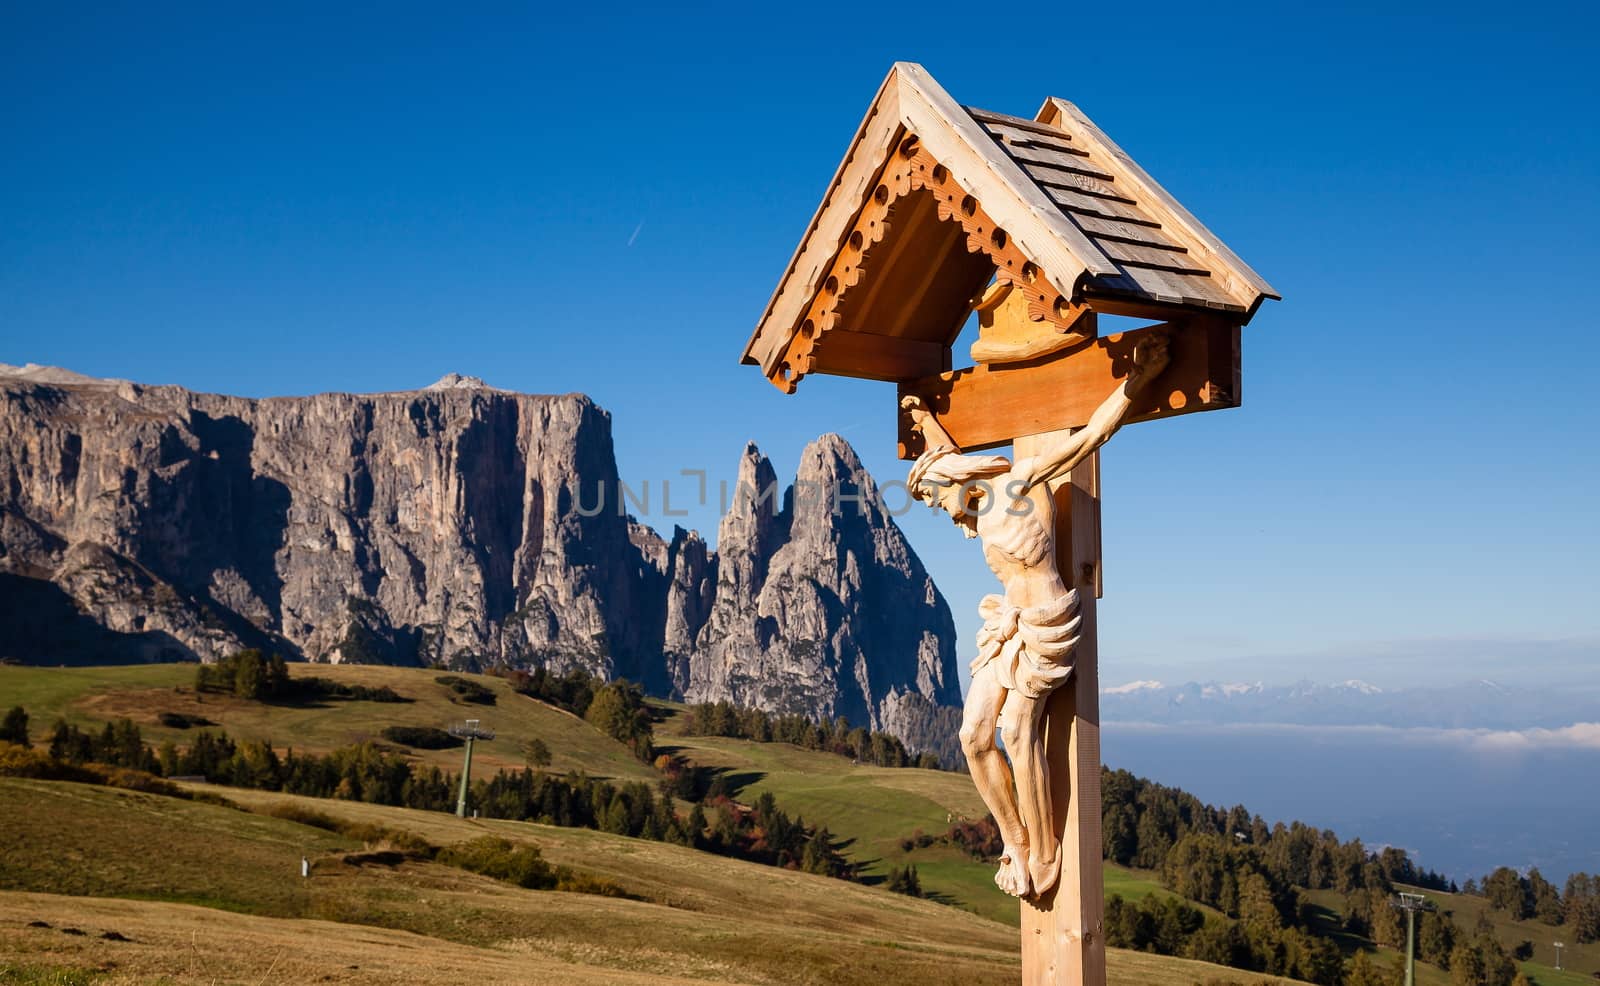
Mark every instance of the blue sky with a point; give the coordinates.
(295, 200)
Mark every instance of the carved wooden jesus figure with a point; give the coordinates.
(1025, 648)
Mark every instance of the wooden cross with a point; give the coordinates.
(1039, 226)
(1063, 936)
(1063, 933)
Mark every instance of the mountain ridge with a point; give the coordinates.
(453, 524)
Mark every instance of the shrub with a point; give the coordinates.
(421, 737)
(524, 866)
(383, 837)
(321, 688)
(134, 780)
(303, 816)
(582, 883)
(180, 720)
(980, 839)
(466, 689)
(503, 860)
(20, 761)
(249, 675)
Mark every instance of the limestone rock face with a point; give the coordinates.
(458, 523)
(813, 595)
(434, 525)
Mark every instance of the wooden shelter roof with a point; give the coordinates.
(933, 199)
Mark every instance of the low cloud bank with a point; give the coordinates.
(1577, 736)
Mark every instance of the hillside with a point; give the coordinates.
(1580, 963)
(90, 696)
(696, 919)
(695, 916)
(874, 814)
(870, 807)
(874, 808)
(700, 917)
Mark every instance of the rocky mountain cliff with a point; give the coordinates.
(456, 524)
(814, 590)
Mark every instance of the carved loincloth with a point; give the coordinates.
(1030, 648)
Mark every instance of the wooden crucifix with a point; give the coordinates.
(941, 214)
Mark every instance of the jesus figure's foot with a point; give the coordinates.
(1012, 876)
(1044, 873)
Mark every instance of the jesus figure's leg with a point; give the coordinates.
(992, 776)
(1020, 729)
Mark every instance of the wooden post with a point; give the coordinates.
(1063, 934)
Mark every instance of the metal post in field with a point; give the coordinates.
(1411, 904)
(470, 730)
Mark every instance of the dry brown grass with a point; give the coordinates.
(184, 944)
(704, 919)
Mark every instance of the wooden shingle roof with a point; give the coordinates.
(1120, 216)
(1066, 203)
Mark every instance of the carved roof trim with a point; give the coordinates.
(1077, 206)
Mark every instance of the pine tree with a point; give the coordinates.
(697, 825)
(15, 727)
(1508, 892)
(249, 674)
(1546, 901)
(1362, 972)
(1466, 966)
(169, 758)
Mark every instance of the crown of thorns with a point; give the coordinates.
(929, 472)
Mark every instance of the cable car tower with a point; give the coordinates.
(471, 729)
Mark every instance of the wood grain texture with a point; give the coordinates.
(1008, 334)
(985, 407)
(1063, 932)
(878, 357)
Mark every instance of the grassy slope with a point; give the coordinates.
(871, 807)
(874, 807)
(701, 919)
(1580, 961)
(89, 696)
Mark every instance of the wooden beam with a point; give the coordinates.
(988, 406)
(1063, 932)
(878, 357)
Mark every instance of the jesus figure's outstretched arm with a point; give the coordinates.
(1056, 458)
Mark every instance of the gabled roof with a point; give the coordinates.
(933, 198)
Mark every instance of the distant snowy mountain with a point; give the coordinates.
(1469, 705)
